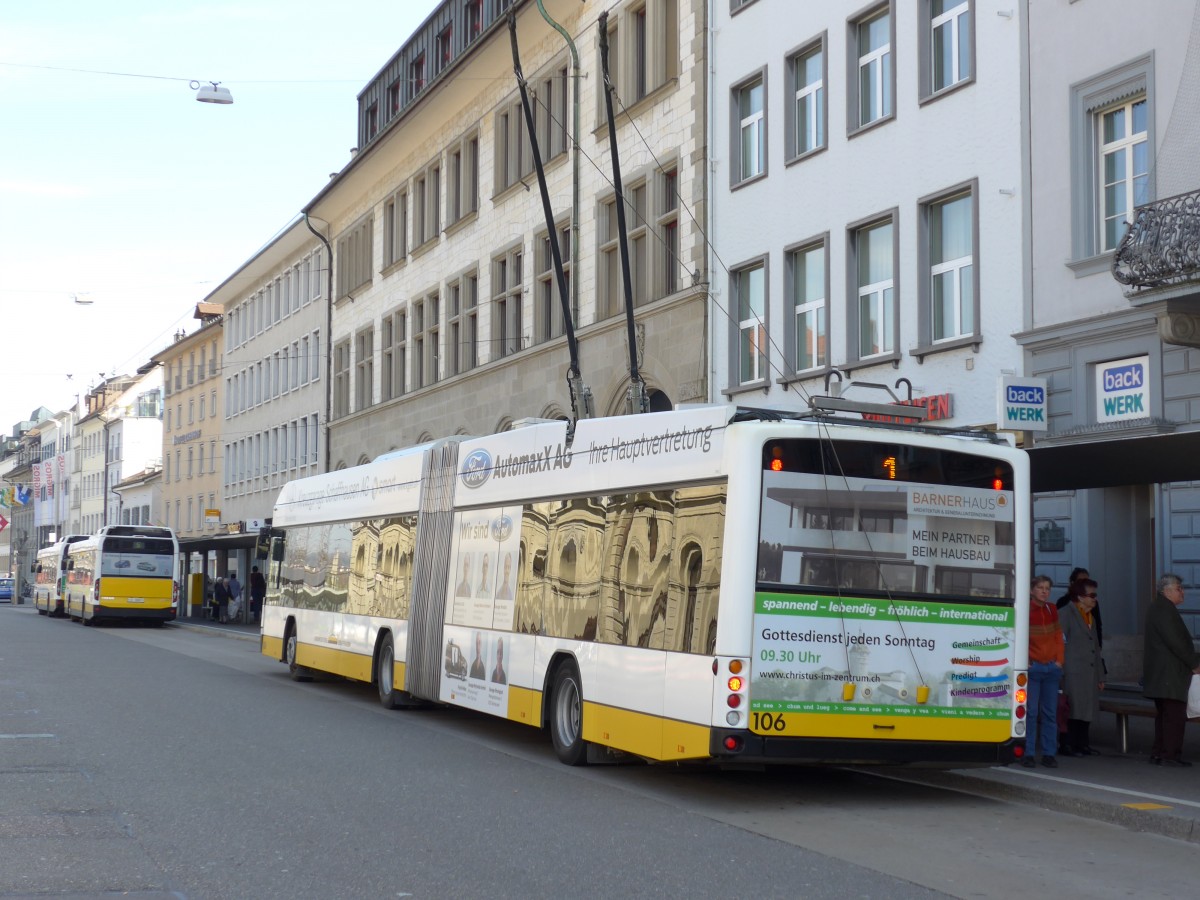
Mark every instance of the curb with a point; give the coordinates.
(216, 631)
(1085, 804)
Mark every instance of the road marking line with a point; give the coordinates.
(19, 736)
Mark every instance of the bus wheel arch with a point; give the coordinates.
(565, 712)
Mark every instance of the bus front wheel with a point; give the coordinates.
(566, 716)
(298, 672)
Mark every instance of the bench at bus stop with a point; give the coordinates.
(1123, 701)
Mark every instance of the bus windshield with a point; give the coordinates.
(882, 518)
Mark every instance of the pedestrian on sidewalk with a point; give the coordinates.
(1169, 661)
(1045, 674)
(258, 592)
(235, 595)
(221, 595)
(1083, 672)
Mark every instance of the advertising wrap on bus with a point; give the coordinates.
(808, 647)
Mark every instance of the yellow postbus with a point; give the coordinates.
(123, 572)
(49, 573)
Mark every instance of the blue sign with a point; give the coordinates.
(1023, 404)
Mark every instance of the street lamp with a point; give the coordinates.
(212, 93)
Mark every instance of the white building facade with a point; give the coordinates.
(276, 313)
(869, 185)
(1115, 124)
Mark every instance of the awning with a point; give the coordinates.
(217, 542)
(1154, 459)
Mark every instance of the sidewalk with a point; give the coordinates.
(245, 632)
(1124, 790)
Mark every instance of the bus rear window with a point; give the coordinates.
(882, 518)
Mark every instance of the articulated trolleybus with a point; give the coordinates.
(123, 572)
(689, 585)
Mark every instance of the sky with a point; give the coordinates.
(123, 200)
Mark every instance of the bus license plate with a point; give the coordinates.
(137, 600)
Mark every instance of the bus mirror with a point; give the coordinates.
(262, 546)
(277, 550)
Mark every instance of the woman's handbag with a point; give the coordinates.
(1193, 706)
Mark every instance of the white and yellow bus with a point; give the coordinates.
(123, 572)
(686, 585)
(49, 573)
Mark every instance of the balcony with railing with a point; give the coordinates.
(1162, 247)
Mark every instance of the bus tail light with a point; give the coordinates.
(733, 743)
(734, 689)
(174, 593)
(96, 592)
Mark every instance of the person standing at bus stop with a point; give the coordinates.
(258, 592)
(1045, 675)
(1168, 663)
(235, 595)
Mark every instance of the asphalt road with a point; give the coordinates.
(170, 763)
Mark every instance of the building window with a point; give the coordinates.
(469, 352)
(394, 350)
(750, 135)
(806, 113)
(873, 72)
(426, 335)
(609, 302)
(462, 336)
(393, 98)
(637, 225)
(474, 19)
(364, 367)
(646, 57)
(513, 153)
(427, 191)
(341, 379)
(749, 286)
(807, 277)
(950, 232)
(1124, 168)
(462, 179)
(445, 47)
(507, 278)
(395, 228)
(668, 231)
(416, 75)
(550, 113)
(354, 257)
(548, 305)
(947, 44)
(1112, 142)
(372, 120)
(873, 256)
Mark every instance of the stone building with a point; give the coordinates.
(447, 317)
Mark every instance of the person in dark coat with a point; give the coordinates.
(1170, 659)
(258, 590)
(1083, 672)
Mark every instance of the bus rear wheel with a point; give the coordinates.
(566, 716)
(385, 675)
(298, 672)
